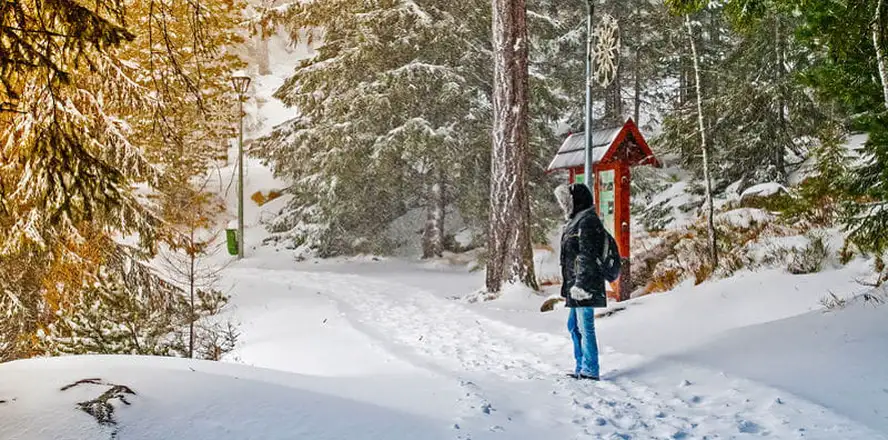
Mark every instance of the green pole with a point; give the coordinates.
(240, 180)
(587, 168)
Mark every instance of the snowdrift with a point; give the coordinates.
(101, 397)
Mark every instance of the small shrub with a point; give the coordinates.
(702, 273)
(779, 202)
(664, 281)
(833, 302)
(732, 262)
(656, 217)
(875, 299)
(809, 259)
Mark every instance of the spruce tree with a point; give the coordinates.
(769, 121)
(390, 111)
(848, 73)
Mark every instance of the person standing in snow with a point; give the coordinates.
(583, 245)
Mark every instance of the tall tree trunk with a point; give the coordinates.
(613, 110)
(636, 68)
(433, 234)
(636, 97)
(782, 127)
(509, 252)
(613, 102)
(713, 250)
(191, 281)
(879, 44)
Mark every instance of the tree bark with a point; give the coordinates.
(433, 234)
(713, 250)
(637, 89)
(613, 103)
(509, 252)
(636, 70)
(191, 282)
(878, 43)
(779, 145)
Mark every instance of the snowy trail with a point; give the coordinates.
(513, 377)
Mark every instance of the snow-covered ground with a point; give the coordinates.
(752, 355)
(377, 349)
(198, 400)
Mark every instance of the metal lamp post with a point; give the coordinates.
(587, 168)
(241, 83)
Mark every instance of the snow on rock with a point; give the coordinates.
(181, 399)
(743, 217)
(763, 190)
(464, 237)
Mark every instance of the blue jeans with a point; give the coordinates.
(581, 325)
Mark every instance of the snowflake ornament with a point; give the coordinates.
(607, 50)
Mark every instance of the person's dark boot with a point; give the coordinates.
(585, 377)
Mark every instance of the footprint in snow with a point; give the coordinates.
(748, 427)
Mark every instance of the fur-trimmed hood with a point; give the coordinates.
(573, 199)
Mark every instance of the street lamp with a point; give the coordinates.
(587, 168)
(241, 83)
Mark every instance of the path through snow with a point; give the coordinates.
(512, 378)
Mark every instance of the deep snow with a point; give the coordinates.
(508, 358)
(199, 400)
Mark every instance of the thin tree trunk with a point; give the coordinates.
(881, 56)
(637, 92)
(509, 252)
(684, 98)
(440, 208)
(191, 276)
(779, 146)
(713, 250)
(433, 233)
(636, 97)
(613, 111)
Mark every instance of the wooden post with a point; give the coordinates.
(624, 190)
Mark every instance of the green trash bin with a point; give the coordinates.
(231, 238)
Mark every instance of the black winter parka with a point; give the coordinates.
(581, 241)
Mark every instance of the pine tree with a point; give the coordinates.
(76, 119)
(192, 212)
(45, 42)
(399, 125)
(765, 114)
(848, 40)
(124, 308)
(819, 198)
